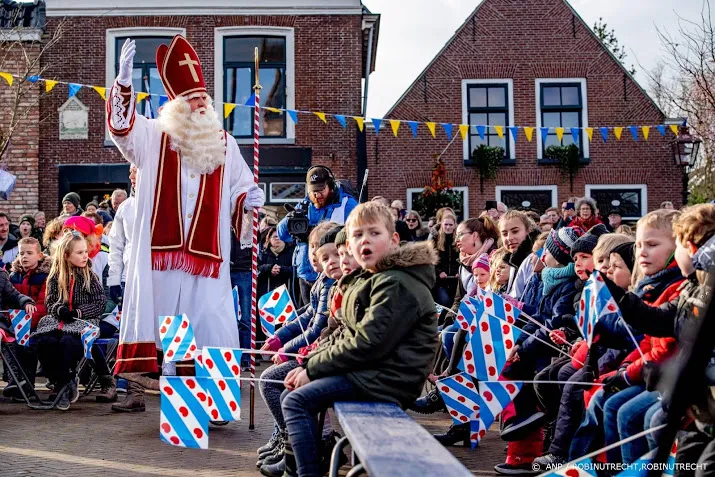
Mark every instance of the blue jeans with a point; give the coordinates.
(448, 338)
(630, 419)
(654, 417)
(242, 280)
(300, 410)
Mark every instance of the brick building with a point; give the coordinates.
(314, 55)
(513, 64)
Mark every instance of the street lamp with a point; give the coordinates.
(685, 149)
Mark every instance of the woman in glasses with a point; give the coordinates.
(418, 232)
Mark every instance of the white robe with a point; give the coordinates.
(149, 294)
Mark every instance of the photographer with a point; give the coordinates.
(326, 201)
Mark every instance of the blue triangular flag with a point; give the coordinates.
(251, 101)
(634, 132)
(377, 123)
(413, 125)
(481, 130)
(163, 99)
(544, 134)
(293, 115)
(604, 133)
(341, 119)
(661, 129)
(514, 132)
(33, 79)
(575, 134)
(448, 129)
(73, 88)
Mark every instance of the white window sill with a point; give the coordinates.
(267, 140)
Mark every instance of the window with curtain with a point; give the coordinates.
(145, 75)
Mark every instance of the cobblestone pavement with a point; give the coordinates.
(91, 440)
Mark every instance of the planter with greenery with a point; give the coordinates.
(569, 159)
(487, 159)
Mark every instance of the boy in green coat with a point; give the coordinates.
(390, 339)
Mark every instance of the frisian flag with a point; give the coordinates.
(114, 317)
(488, 347)
(596, 303)
(177, 338)
(89, 334)
(439, 308)
(184, 420)
(500, 308)
(275, 308)
(495, 396)
(21, 323)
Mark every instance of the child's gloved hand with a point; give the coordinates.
(115, 293)
(617, 382)
(65, 315)
(558, 337)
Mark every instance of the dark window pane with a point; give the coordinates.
(551, 140)
(241, 49)
(551, 96)
(477, 141)
(478, 97)
(570, 120)
(238, 90)
(478, 119)
(537, 200)
(273, 96)
(567, 139)
(496, 141)
(146, 48)
(551, 120)
(570, 96)
(628, 201)
(497, 97)
(287, 192)
(497, 119)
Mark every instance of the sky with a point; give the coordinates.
(413, 31)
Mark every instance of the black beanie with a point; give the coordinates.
(627, 252)
(588, 241)
(28, 218)
(341, 238)
(72, 198)
(330, 236)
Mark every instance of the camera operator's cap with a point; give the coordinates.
(317, 177)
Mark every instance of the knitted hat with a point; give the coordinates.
(94, 203)
(589, 240)
(330, 236)
(559, 243)
(627, 252)
(341, 238)
(481, 262)
(72, 198)
(83, 225)
(28, 218)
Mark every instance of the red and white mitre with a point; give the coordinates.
(180, 69)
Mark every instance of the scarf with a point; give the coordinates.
(555, 277)
(200, 252)
(651, 287)
(468, 260)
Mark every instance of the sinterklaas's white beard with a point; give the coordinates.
(199, 138)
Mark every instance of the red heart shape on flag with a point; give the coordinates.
(468, 355)
(289, 309)
(227, 355)
(183, 411)
(168, 320)
(459, 379)
(185, 324)
(168, 391)
(485, 326)
(463, 418)
(508, 344)
(170, 353)
(488, 349)
(492, 371)
(201, 396)
(174, 440)
(191, 383)
(198, 433)
(211, 401)
(177, 340)
(235, 369)
(511, 388)
(488, 302)
(214, 414)
(209, 364)
(166, 427)
(461, 398)
(162, 330)
(276, 296)
(192, 348)
(488, 396)
(445, 389)
(222, 385)
(470, 369)
(470, 385)
(233, 405)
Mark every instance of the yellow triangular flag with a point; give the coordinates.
(273, 110)
(463, 130)
(589, 133)
(618, 132)
(228, 109)
(103, 91)
(674, 128)
(360, 122)
(49, 84)
(646, 131)
(500, 131)
(431, 126)
(559, 133)
(321, 116)
(7, 77)
(395, 123)
(141, 96)
(529, 133)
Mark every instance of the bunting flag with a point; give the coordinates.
(604, 134)
(447, 129)
(544, 134)
(634, 132)
(73, 89)
(293, 115)
(342, 120)
(575, 134)
(661, 129)
(674, 128)
(49, 84)
(88, 335)
(413, 125)
(589, 133)
(500, 131)
(559, 133)
(236, 304)
(646, 132)
(377, 123)
(464, 130)
(617, 131)
(141, 96)
(432, 128)
(596, 303)
(216, 371)
(514, 132)
(321, 115)
(360, 122)
(7, 77)
(481, 130)
(103, 92)
(529, 132)
(273, 110)
(163, 99)
(251, 101)
(114, 317)
(184, 420)
(177, 338)
(228, 109)
(21, 323)
(275, 308)
(33, 79)
(395, 125)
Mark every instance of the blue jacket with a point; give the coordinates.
(337, 211)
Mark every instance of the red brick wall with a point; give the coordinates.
(22, 159)
(506, 39)
(327, 69)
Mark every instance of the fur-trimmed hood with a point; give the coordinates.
(43, 266)
(409, 255)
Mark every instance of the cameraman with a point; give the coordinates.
(326, 200)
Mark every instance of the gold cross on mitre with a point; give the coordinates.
(190, 63)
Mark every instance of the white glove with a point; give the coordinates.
(126, 63)
(255, 197)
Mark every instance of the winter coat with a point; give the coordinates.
(418, 235)
(448, 259)
(337, 211)
(517, 259)
(9, 251)
(586, 224)
(90, 304)
(10, 297)
(32, 284)
(266, 280)
(390, 339)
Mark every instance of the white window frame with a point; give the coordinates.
(289, 34)
(643, 188)
(283, 201)
(584, 113)
(465, 112)
(111, 36)
(463, 190)
(554, 189)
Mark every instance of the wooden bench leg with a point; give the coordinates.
(335, 457)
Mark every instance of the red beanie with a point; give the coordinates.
(83, 225)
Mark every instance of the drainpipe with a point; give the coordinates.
(361, 144)
(368, 63)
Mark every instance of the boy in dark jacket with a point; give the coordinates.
(390, 338)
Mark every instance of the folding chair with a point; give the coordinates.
(110, 354)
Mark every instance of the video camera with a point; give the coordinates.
(298, 223)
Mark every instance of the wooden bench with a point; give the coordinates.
(388, 443)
